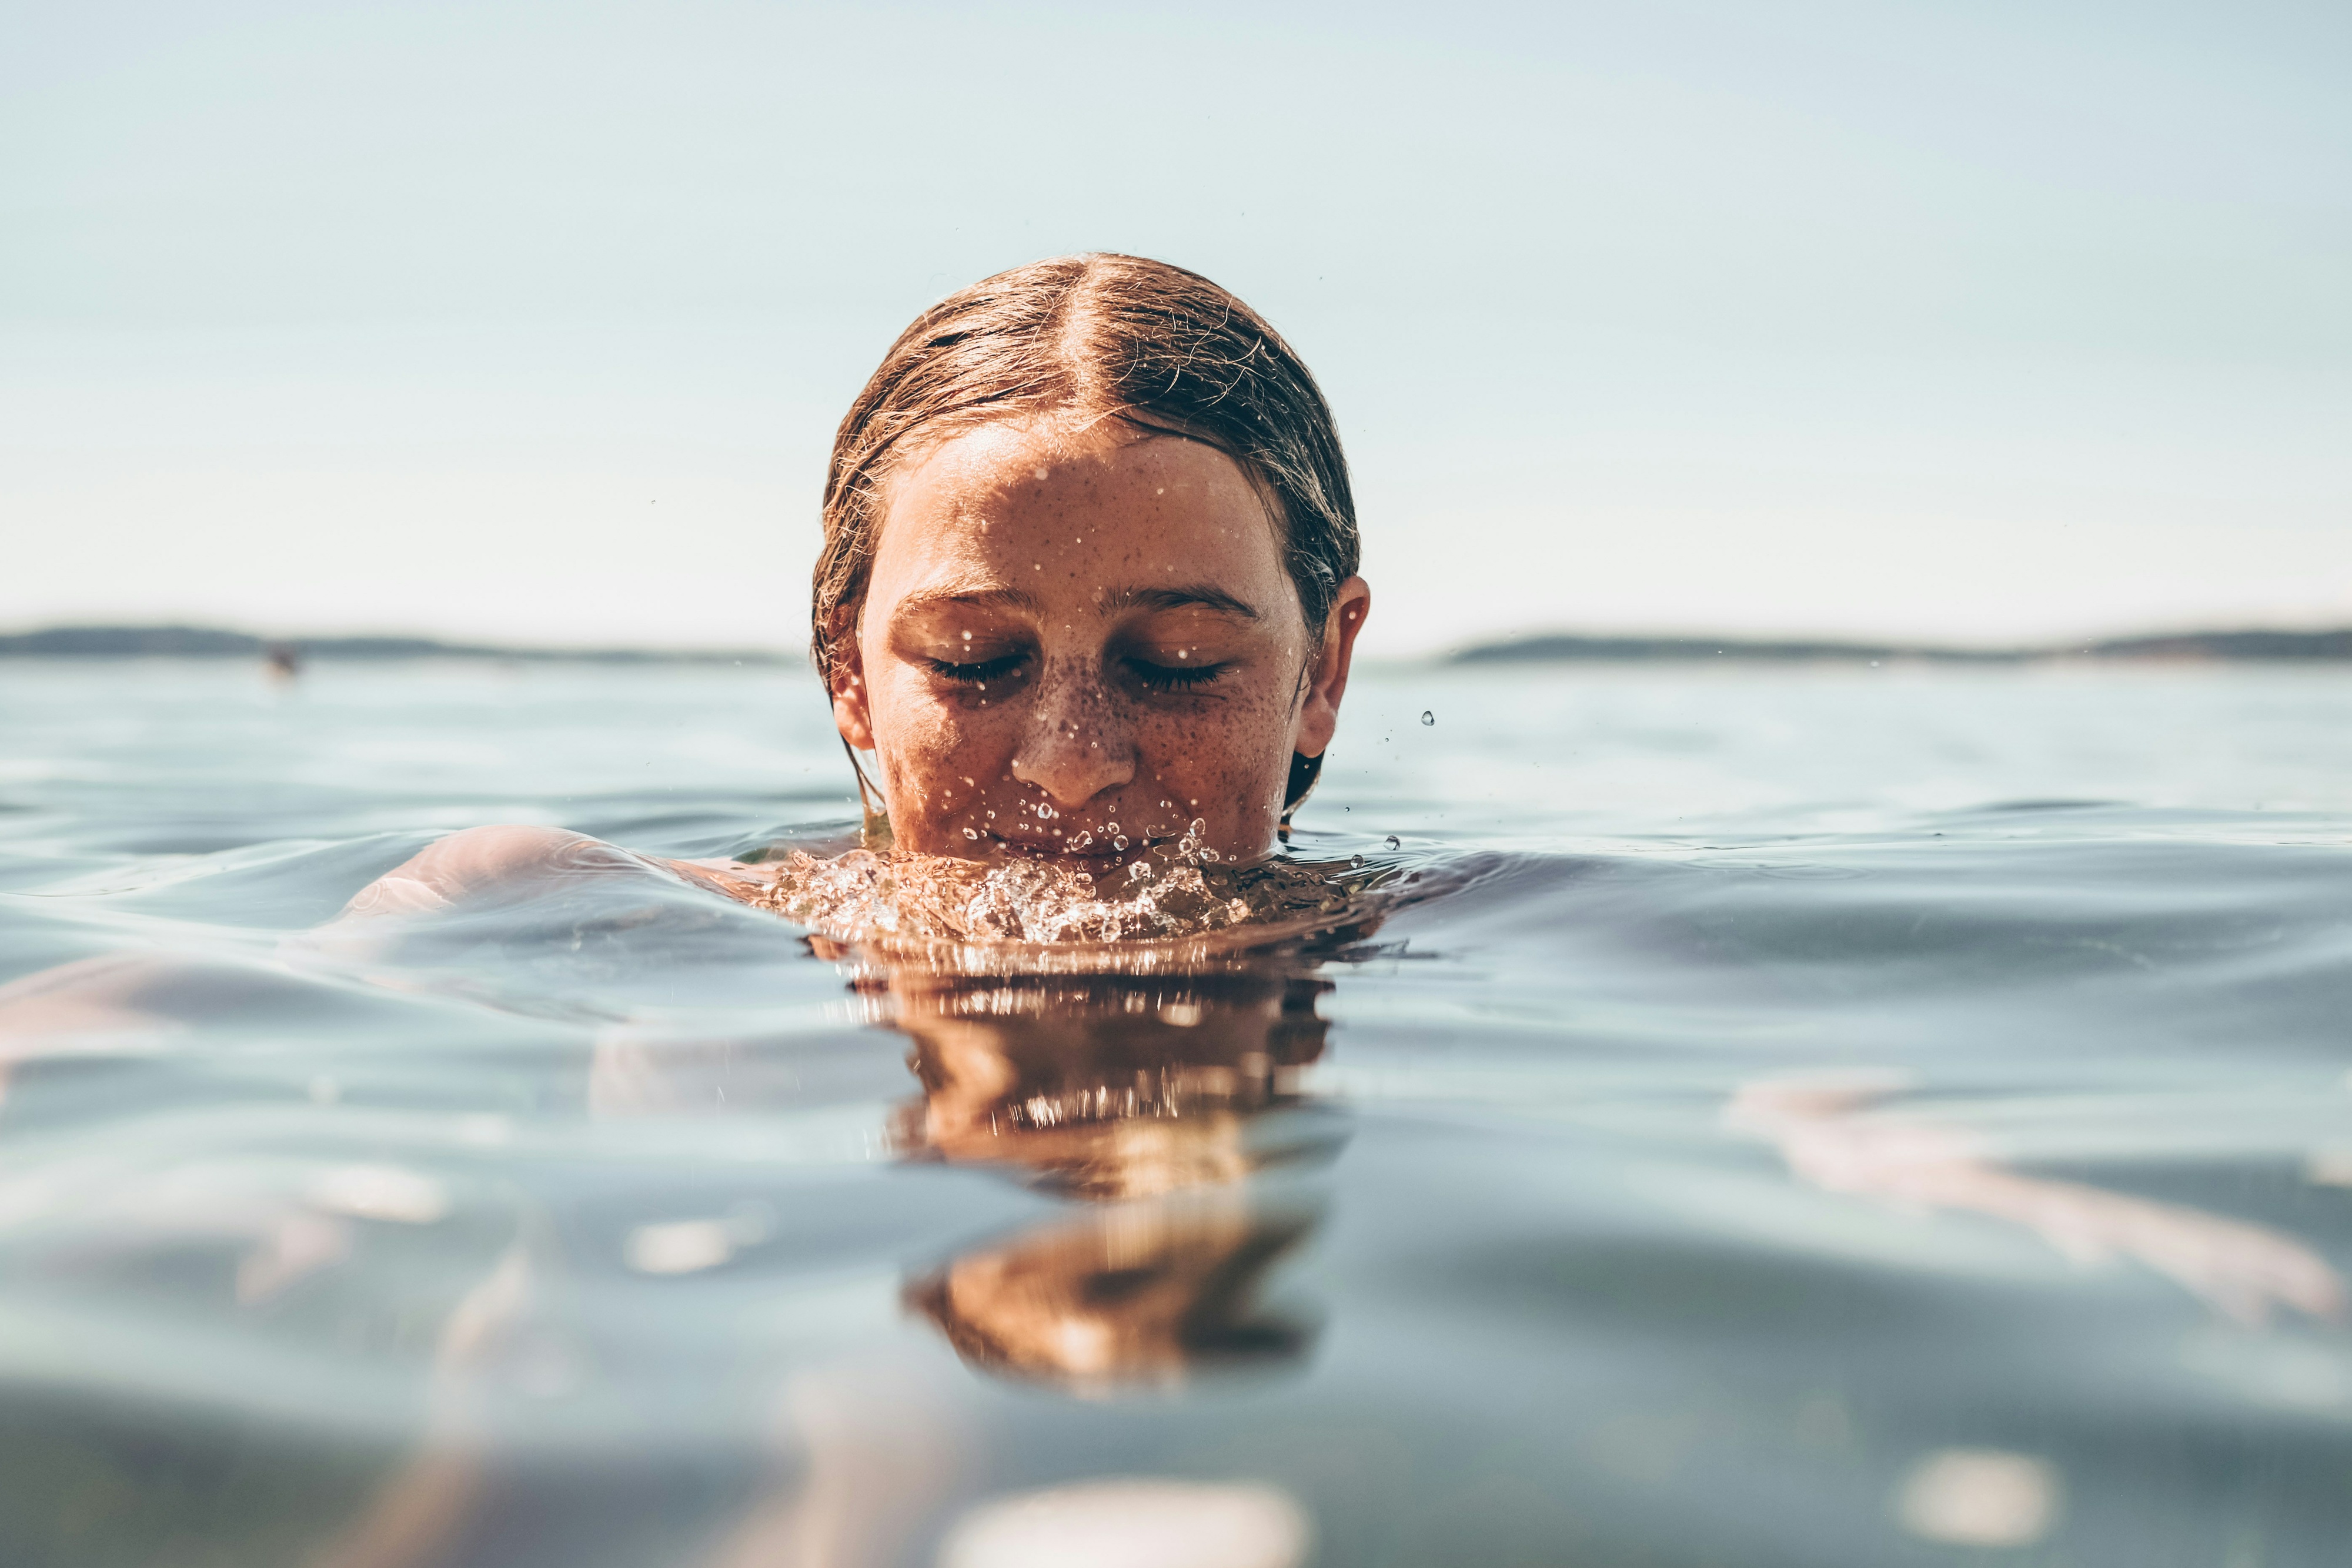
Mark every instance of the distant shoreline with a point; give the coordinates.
(210, 642)
(213, 642)
(2201, 647)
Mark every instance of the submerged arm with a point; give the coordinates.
(115, 1000)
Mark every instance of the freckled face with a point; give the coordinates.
(1071, 638)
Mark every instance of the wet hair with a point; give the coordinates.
(1110, 336)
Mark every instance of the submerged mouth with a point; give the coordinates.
(1082, 847)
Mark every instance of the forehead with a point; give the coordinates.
(1029, 499)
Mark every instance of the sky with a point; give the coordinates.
(1977, 322)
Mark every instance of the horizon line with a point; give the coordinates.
(188, 640)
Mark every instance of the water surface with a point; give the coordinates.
(1822, 1117)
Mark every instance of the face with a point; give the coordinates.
(1074, 635)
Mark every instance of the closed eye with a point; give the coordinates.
(994, 669)
(1174, 677)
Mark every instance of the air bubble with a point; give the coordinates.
(1394, 843)
(1427, 716)
(972, 833)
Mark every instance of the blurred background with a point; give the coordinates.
(529, 323)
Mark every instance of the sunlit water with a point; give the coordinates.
(1806, 1118)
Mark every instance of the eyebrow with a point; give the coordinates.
(974, 596)
(977, 597)
(1181, 598)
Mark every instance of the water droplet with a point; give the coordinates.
(1427, 716)
(1394, 843)
(1355, 860)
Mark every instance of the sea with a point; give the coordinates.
(1829, 1116)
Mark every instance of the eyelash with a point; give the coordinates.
(973, 675)
(1174, 677)
(1166, 678)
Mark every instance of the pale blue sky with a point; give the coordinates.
(532, 321)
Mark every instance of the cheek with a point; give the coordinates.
(1226, 753)
(922, 734)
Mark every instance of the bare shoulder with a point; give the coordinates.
(490, 861)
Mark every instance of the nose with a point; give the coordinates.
(1078, 745)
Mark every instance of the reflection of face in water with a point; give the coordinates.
(1157, 1097)
(1121, 1296)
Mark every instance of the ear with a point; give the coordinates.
(1327, 675)
(851, 714)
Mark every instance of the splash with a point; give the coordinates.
(1172, 890)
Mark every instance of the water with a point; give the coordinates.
(1820, 1118)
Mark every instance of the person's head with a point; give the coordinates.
(1089, 567)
